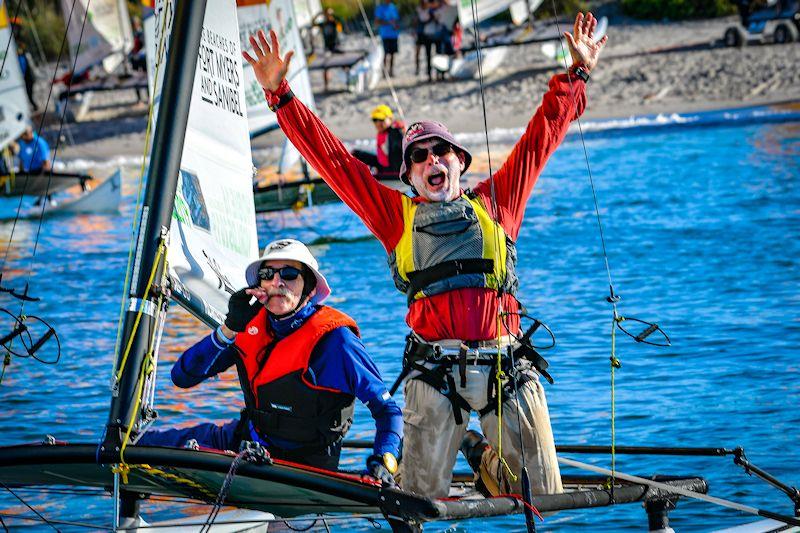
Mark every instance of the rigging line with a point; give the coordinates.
(62, 118)
(498, 244)
(223, 491)
(684, 492)
(148, 365)
(10, 36)
(26, 504)
(588, 168)
(160, 53)
(38, 133)
(93, 527)
(383, 63)
(612, 298)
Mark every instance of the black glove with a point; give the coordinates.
(377, 469)
(240, 312)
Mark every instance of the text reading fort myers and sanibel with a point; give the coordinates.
(219, 78)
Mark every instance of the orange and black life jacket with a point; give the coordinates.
(280, 401)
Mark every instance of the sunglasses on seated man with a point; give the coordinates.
(420, 155)
(287, 273)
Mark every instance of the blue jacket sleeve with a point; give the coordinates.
(341, 362)
(207, 358)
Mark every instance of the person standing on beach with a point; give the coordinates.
(452, 252)
(388, 20)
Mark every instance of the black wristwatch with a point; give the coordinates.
(580, 72)
(282, 101)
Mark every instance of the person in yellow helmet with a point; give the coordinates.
(385, 162)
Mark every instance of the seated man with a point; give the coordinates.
(301, 365)
(33, 152)
(389, 143)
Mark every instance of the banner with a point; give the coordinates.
(213, 232)
(278, 15)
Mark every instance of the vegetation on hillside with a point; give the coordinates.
(677, 9)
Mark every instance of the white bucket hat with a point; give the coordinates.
(290, 250)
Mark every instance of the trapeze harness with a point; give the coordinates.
(447, 246)
(279, 399)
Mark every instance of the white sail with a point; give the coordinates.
(486, 9)
(213, 232)
(107, 36)
(305, 11)
(14, 110)
(280, 16)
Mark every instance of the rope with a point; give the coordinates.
(61, 120)
(496, 216)
(612, 298)
(148, 365)
(139, 196)
(10, 37)
(26, 504)
(38, 131)
(223, 491)
(383, 64)
(683, 492)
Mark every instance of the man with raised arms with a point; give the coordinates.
(452, 252)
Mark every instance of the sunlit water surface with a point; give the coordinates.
(701, 228)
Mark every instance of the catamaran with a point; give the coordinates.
(195, 232)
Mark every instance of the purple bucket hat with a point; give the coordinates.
(426, 129)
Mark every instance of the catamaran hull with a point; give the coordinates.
(288, 489)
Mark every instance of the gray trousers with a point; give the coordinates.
(432, 438)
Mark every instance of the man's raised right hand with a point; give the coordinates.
(267, 65)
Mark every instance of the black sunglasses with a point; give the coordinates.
(287, 273)
(420, 155)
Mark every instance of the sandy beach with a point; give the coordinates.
(647, 68)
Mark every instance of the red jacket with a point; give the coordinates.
(466, 314)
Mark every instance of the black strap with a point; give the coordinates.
(462, 365)
(526, 351)
(282, 101)
(440, 379)
(419, 279)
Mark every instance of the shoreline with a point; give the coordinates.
(648, 68)
(125, 149)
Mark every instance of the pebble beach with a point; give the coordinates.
(647, 68)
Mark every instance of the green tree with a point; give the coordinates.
(677, 9)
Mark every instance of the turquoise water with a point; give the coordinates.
(701, 227)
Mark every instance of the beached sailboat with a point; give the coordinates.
(15, 116)
(194, 235)
(100, 38)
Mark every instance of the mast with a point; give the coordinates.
(162, 179)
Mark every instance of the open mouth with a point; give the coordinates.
(436, 180)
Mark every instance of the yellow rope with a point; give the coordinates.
(615, 363)
(137, 208)
(148, 365)
(500, 377)
(161, 248)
